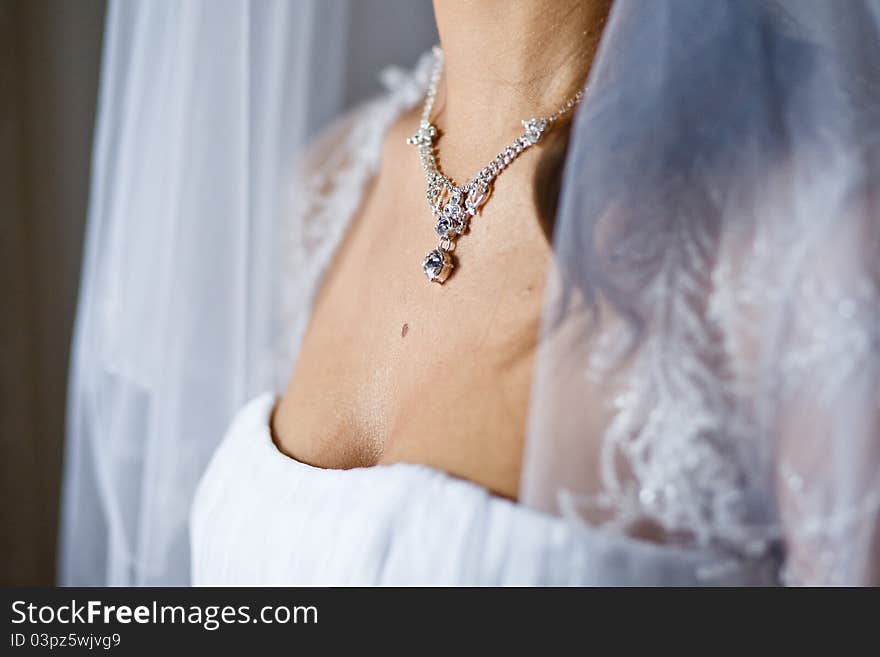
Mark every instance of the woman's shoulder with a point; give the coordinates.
(359, 132)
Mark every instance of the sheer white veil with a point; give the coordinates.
(709, 357)
(714, 304)
(203, 105)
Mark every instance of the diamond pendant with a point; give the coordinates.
(437, 265)
(452, 221)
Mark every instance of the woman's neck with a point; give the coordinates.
(505, 60)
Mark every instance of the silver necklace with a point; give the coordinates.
(453, 205)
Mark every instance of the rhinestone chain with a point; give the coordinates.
(452, 205)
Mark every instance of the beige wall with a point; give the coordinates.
(49, 61)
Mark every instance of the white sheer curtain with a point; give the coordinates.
(203, 104)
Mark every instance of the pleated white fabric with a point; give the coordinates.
(261, 518)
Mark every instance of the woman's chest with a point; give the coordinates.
(394, 367)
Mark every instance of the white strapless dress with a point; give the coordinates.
(262, 518)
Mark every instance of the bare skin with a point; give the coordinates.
(395, 368)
